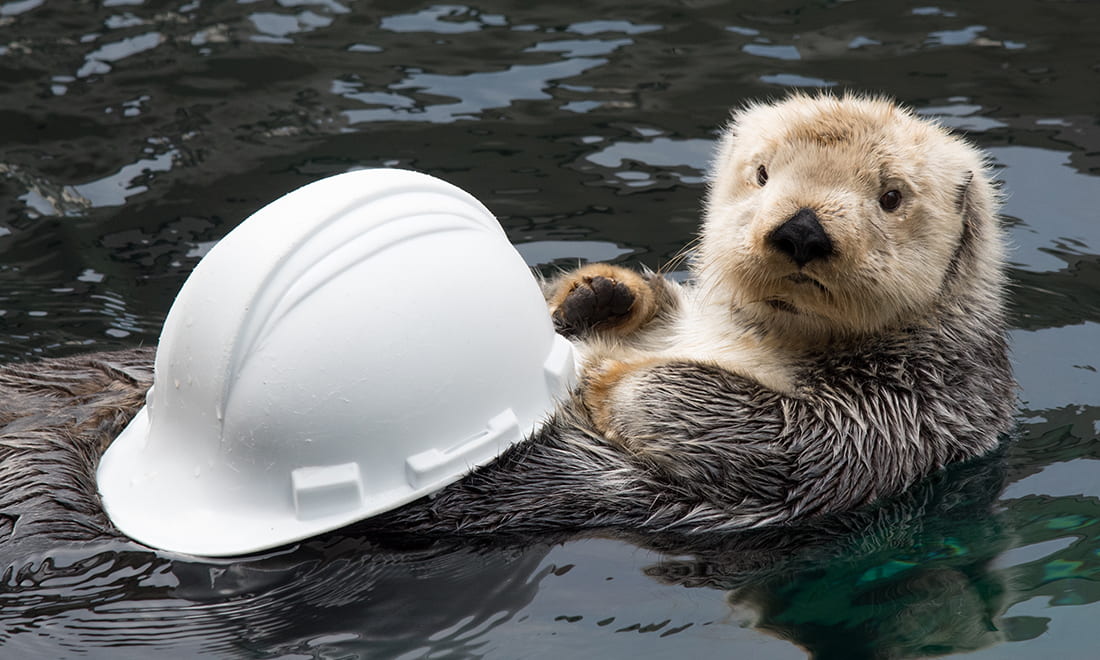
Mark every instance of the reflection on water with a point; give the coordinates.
(136, 134)
(1065, 375)
(941, 570)
(1065, 221)
(569, 253)
(337, 595)
(112, 190)
(675, 161)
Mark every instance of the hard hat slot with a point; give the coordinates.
(560, 366)
(432, 466)
(324, 491)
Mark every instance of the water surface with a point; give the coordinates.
(133, 135)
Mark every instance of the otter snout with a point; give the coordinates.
(802, 238)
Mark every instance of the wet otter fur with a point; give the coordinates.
(57, 417)
(842, 337)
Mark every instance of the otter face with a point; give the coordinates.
(835, 217)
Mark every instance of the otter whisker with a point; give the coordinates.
(681, 255)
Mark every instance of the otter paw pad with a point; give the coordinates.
(595, 302)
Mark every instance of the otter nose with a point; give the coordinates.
(802, 238)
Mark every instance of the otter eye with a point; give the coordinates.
(890, 200)
(761, 176)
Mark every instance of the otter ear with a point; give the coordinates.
(962, 193)
(972, 202)
(967, 204)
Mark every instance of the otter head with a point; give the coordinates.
(836, 217)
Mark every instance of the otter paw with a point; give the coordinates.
(594, 302)
(601, 298)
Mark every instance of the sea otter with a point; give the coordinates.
(841, 337)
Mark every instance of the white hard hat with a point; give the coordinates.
(356, 344)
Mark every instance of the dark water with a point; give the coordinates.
(135, 134)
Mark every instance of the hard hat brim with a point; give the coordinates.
(152, 508)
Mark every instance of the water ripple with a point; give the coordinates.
(350, 596)
(474, 92)
(99, 61)
(442, 19)
(275, 28)
(48, 198)
(657, 158)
